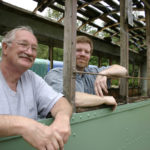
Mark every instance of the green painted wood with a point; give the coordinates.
(126, 128)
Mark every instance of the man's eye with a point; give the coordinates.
(24, 44)
(78, 50)
(34, 48)
(87, 52)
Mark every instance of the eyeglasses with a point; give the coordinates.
(25, 46)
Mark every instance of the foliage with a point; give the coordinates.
(116, 40)
(133, 71)
(54, 14)
(93, 60)
(58, 54)
(104, 62)
(42, 51)
(114, 82)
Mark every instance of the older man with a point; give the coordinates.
(89, 88)
(25, 96)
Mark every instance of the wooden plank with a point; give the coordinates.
(51, 56)
(146, 3)
(143, 68)
(99, 61)
(69, 50)
(124, 46)
(148, 47)
(130, 15)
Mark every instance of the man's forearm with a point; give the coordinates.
(11, 125)
(89, 100)
(62, 112)
(115, 70)
(62, 108)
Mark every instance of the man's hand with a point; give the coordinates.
(61, 125)
(101, 81)
(109, 100)
(101, 85)
(43, 137)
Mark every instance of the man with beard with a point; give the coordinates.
(89, 88)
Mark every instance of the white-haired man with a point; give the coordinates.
(25, 96)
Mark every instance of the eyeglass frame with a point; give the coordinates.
(25, 45)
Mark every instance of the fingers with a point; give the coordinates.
(44, 148)
(60, 142)
(54, 143)
(101, 85)
(98, 91)
(114, 107)
(110, 100)
(45, 138)
(65, 139)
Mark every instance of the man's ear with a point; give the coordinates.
(4, 48)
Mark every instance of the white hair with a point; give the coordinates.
(10, 36)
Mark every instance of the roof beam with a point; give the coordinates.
(49, 32)
(146, 3)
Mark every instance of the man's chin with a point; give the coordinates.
(26, 65)
(81, 66)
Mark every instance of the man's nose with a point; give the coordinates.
(82, 53)
(29, 50)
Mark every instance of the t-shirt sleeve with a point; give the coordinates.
(46, 96)
(55, 79)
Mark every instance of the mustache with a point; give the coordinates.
(81, 58)
(26, 56)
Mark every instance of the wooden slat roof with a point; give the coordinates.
(108, 14)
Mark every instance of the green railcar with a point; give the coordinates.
(126, 128)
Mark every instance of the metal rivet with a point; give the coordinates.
(74, 134)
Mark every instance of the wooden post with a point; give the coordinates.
(147, 12)
(139, 81)
(124, 46)
(133, 80)
(69, 50)
(99, 61)
(143, 72)
(50, 57)
(110, 61)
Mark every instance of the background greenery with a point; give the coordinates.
(43, 50)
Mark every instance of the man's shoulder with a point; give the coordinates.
(95, 69)
(29, 74)
(57, 69)
(54, 73)
(91, 69)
